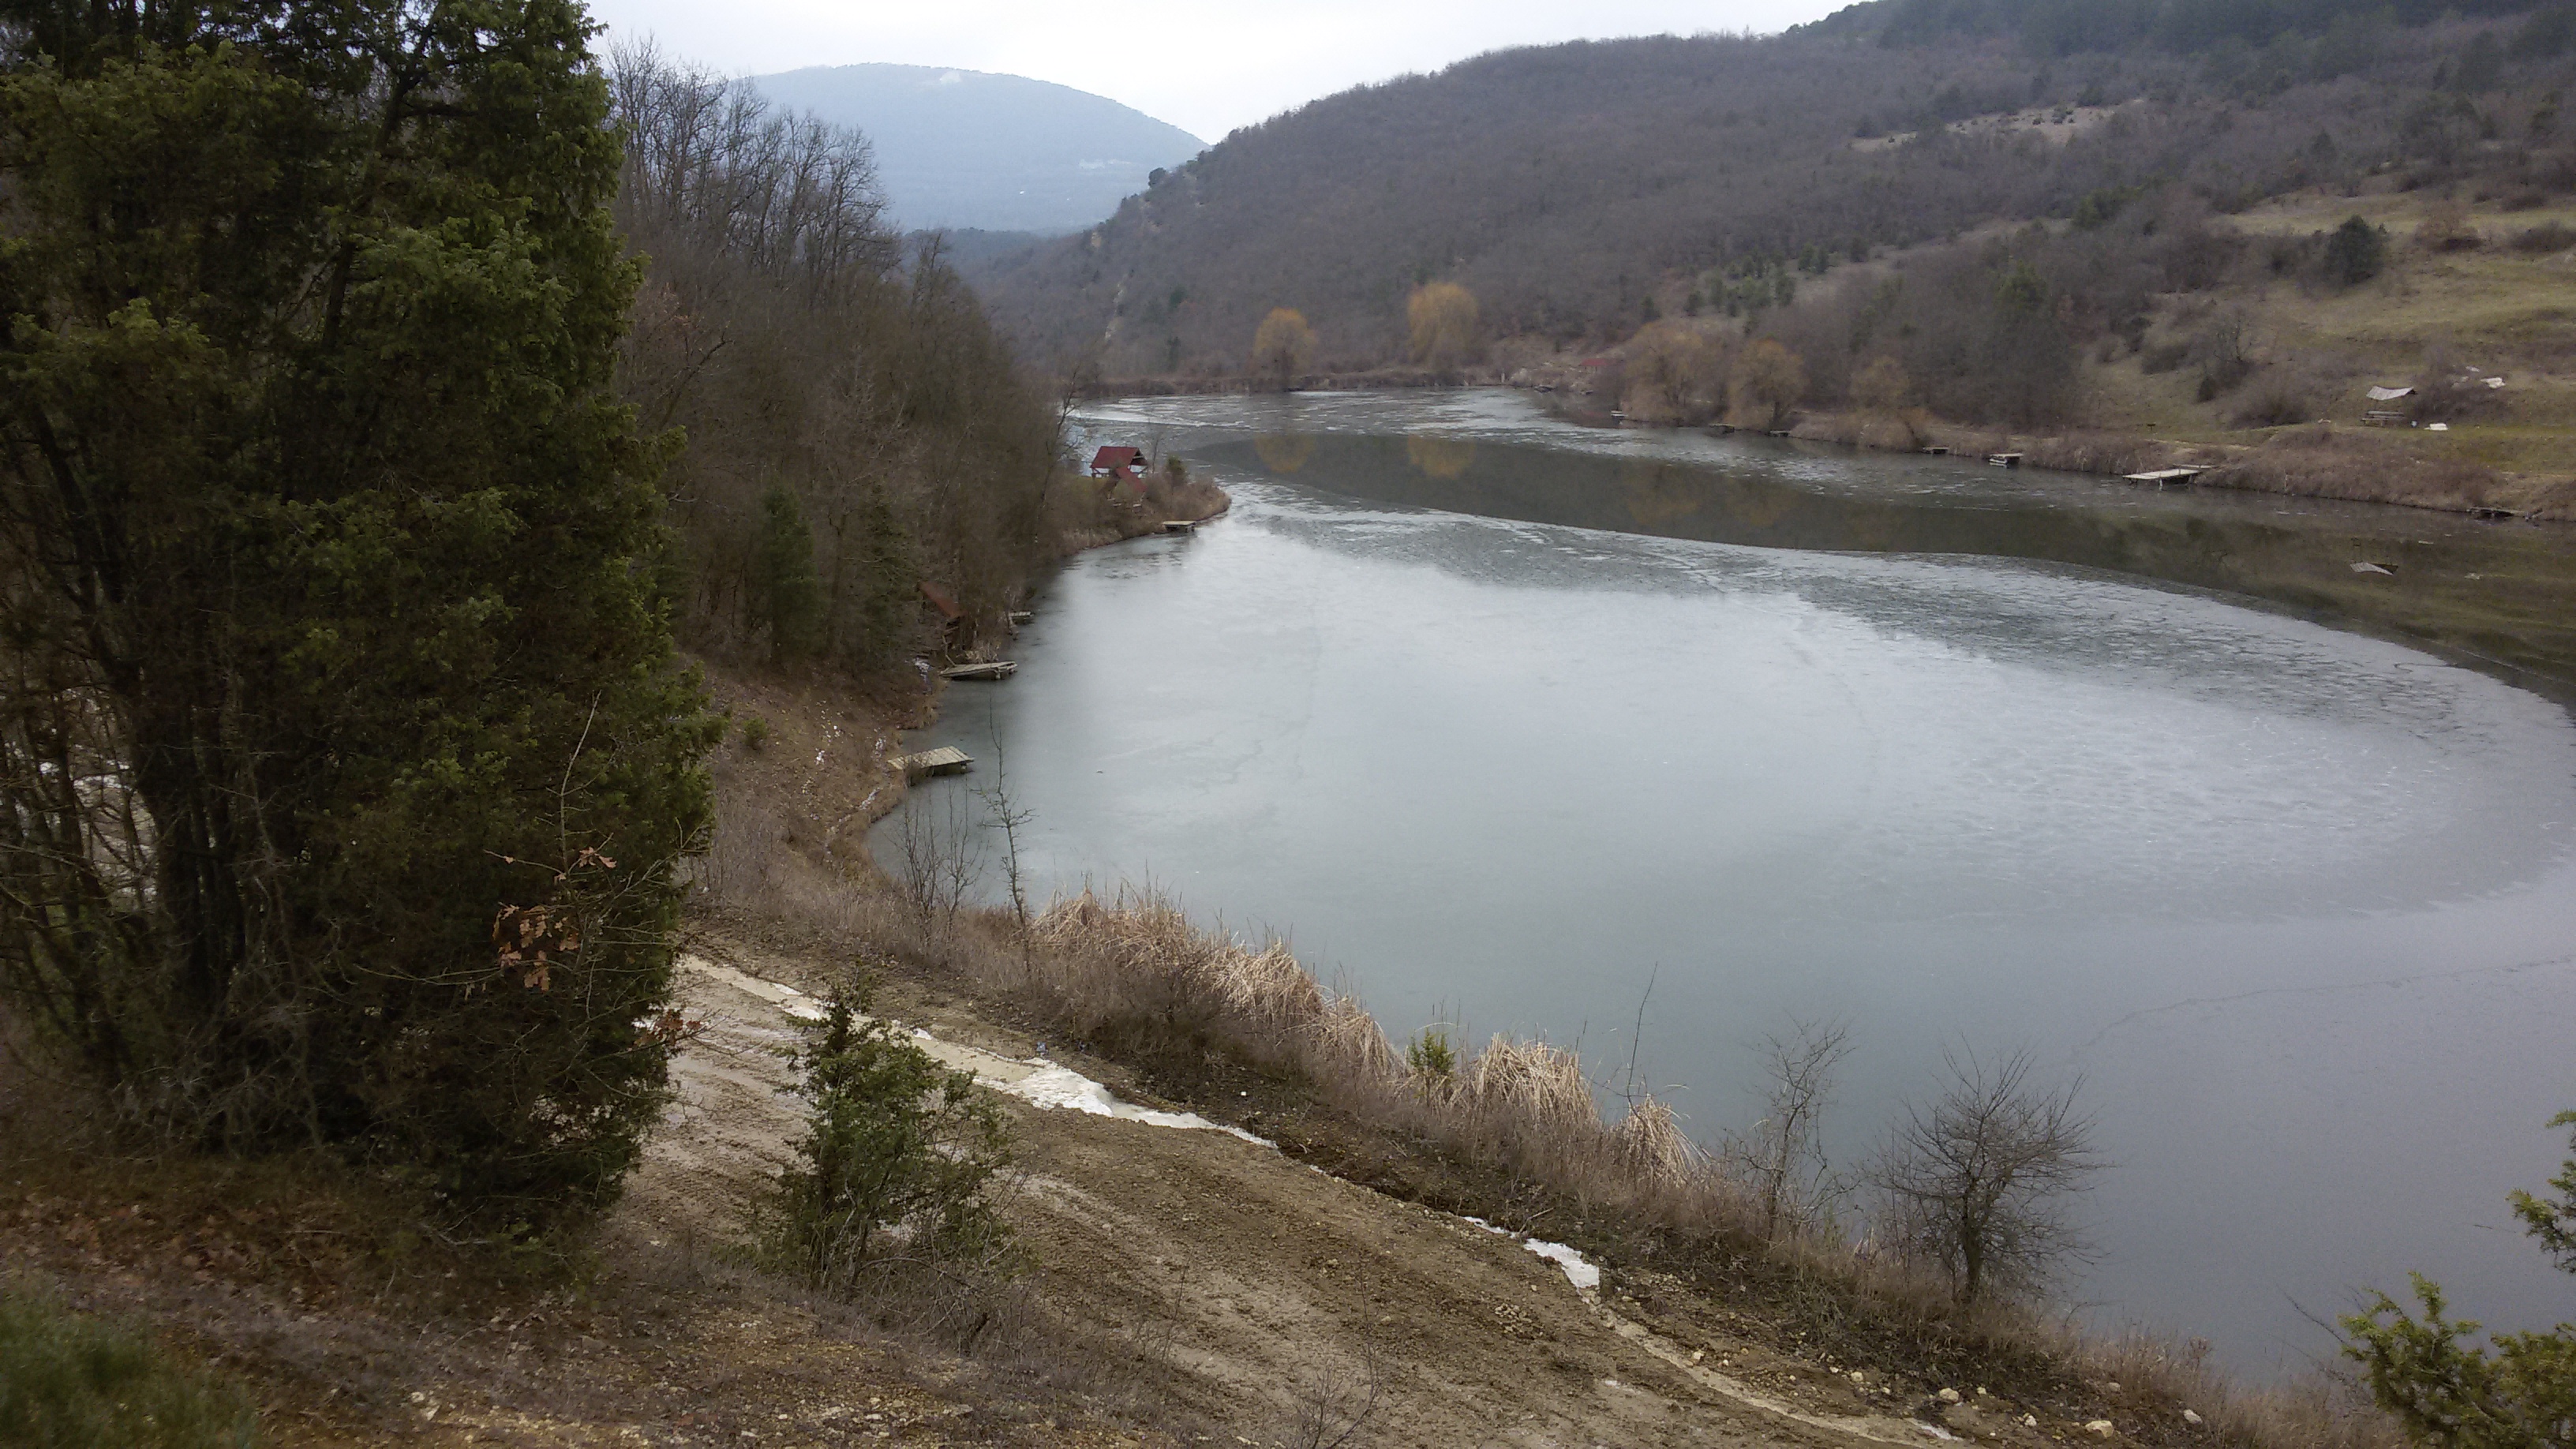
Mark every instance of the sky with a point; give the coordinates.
(1207, 66)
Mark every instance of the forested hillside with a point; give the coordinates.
(1577, 191)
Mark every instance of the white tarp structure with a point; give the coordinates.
(2390, 394)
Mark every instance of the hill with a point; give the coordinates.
(966, 149)
(1578, 191)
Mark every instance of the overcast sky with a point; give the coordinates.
(1206, 66)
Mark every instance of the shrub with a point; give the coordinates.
(1429, 1057)
(894, 1165)
(2277, 399)
(2355, 252)
(755, 733)
(2549, 236)
(70, 1382)
(2444, 1392)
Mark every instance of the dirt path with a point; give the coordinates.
(1287, 1304)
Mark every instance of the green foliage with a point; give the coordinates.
(1431, 1055)
(2554, 1222)
(2444, 1390)
(894, 1165)
(72, 1382)
(755, 733)
(331, 553)
(789, 593)
(2355, 252)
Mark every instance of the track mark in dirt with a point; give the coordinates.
(1282, 1291)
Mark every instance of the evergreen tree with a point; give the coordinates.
(2520, 1395)
(789, 594)
(346, 758)
(2355, 252)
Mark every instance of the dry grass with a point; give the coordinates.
(2323, 461)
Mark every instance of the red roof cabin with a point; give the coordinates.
(1118, 463)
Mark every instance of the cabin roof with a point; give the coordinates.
(1111, 459)
(939, 600)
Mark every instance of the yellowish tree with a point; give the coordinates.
(1443, 320)
(1676, 374)
(1883, 387)
(1769, 380)
(1283, 346)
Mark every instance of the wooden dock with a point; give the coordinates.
(2004, 460)
(1179, 525)
(2162, 476)
(1935, 451)
(987, 669)
(946, 760)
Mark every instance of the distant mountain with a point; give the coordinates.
(961, 148)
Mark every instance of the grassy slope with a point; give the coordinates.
(2497, 307)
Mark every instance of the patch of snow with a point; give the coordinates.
(1935, 1430)
(1066, 1089)
(1583, 1275)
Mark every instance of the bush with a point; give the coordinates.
(2275, 400)
(893, 1169)
(2355, 252)
(70, 1382)
(2444, 1392)
(2549, 236)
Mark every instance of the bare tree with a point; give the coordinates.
(1001, 814)
(940, 857)
(1982, 1181)
(1784, 1154)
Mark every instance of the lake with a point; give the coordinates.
(1500, 719)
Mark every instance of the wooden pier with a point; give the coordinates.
(946, 760)
(2162, 476)
(1179, 525)
(2004, 460)
(988, 669)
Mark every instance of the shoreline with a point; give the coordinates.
(2343, 462)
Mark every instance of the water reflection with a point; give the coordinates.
(2502, 595)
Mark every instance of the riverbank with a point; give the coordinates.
(1187, 1285)
(1181, 1019)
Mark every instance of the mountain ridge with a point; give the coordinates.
(978, 150)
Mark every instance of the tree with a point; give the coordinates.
(2520, 1395)
(786, 591)
(1882, 387)
(1784, 1154)
(1675, 374)
(896, 1158)
(1980, 1181)
(1442, 320)
(1283, 346)
(1769, 380)
(329, 558)
(2355, 252)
